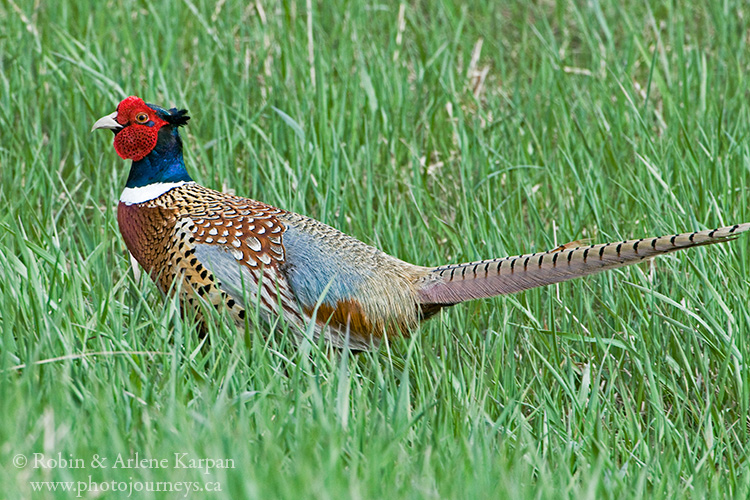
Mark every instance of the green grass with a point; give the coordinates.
(599, 120)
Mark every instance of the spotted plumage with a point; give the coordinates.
(224, 249)
(237, 254)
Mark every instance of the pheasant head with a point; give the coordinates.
(148, 135)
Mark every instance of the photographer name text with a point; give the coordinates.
(176, 461)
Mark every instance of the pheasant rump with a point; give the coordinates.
(237, 253)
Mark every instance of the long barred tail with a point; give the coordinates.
(458, 282)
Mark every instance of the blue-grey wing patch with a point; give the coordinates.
(315, 268)
(234, 279)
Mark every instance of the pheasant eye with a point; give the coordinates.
(141, 118)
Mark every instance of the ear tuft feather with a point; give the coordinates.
(177, 117)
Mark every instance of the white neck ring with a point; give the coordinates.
(133, 196)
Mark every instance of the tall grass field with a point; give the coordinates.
(440, 132)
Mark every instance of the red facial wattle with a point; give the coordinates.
(136, 141)
(138, 137)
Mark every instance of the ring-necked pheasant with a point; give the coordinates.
(233, 251)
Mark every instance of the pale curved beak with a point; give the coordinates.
(109, 121)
